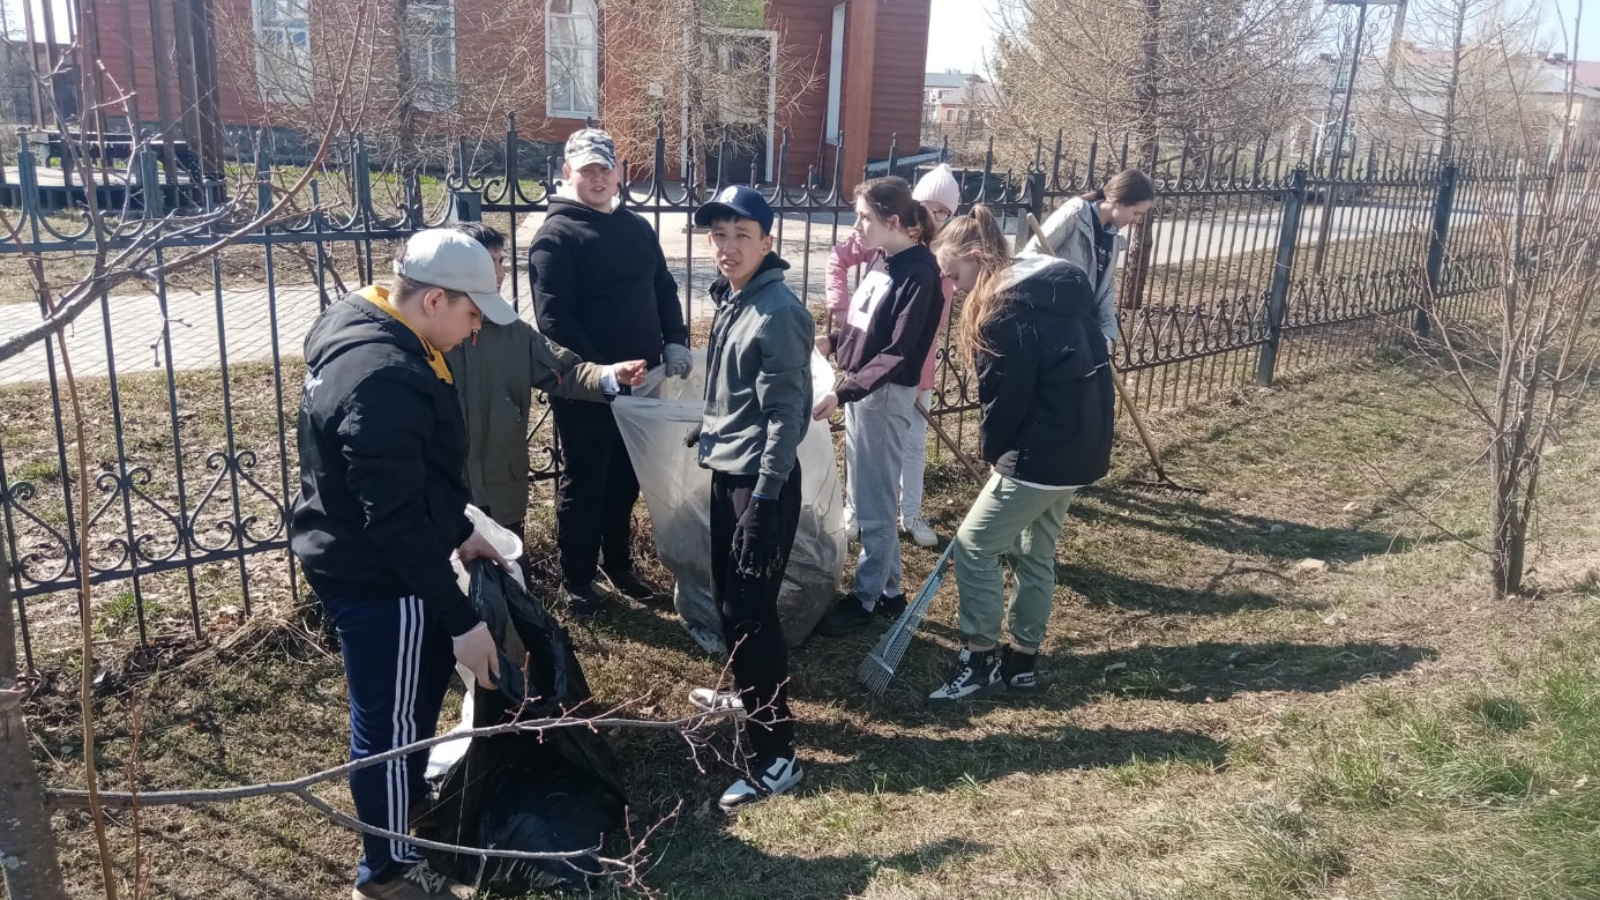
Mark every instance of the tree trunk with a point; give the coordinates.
(1508, 529)
(27, 845)
(1140, 246)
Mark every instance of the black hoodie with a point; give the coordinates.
(383, 452)
(601, 286)
(1044, 381)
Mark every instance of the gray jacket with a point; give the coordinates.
(1070, 230)
(758, 379)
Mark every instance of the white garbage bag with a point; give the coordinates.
(678, 493)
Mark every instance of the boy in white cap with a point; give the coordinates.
(602, 290)
(940, 195)
(382, 505)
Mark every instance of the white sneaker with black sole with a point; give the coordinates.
(975, 672)
(921, 532)
(713, 700)
(778, 776)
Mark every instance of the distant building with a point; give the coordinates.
(956, 105)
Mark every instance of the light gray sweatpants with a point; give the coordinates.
(875, 429)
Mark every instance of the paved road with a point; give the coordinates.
(245, 317)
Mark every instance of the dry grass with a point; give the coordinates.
(1216, 720)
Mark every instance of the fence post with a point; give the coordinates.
(466, 206)
(1032, 203)
(1283, 268)
(150, 190)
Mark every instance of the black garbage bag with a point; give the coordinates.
(560, 791)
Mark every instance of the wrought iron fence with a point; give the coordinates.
(1252, 264)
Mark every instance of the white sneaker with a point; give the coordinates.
(712, 700)
(852, 531)
(777, 777)
(921, 531)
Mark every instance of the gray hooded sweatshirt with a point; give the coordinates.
(758, 379)
(1070, 230)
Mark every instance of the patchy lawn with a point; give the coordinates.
(1289, 687)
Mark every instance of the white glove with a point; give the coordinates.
(678, 360)
(476, 650)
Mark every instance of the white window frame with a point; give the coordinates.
(283, 24)
(835, 76)
(433, 65)
(586, 48)
(771, 38)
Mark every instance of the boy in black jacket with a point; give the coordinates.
(602, 290)
(382, 505)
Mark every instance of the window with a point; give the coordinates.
(431, 29)
(283, 58)
(572, 59)
(835, 74)
(949, 115)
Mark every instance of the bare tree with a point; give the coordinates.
(703, 71)
(1179, 73)
(424, 72)
(1465, 74)
(1521, 374)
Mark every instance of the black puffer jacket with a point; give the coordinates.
(1045, 383)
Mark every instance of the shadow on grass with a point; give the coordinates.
(1194, 522)
(1207, 672)
(719, 867)
(912, 763)
(1102, 588)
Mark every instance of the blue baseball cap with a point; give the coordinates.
(743, 201)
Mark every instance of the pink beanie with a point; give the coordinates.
(940, 186)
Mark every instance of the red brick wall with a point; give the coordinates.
(805, 29)
(803, 26)
(898, 74)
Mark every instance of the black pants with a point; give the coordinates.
(749, 608)
(595, 493)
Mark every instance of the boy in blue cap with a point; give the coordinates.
(757, 409)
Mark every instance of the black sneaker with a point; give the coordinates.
(582, 601)
(975, 672)
(627, 584)
(890, 607)
(846, 616)
(1017, 668)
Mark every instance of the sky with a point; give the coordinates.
(961, 34)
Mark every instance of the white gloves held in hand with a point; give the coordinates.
(476, 650)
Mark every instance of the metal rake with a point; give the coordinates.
(878, 668)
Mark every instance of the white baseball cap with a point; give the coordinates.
(446, 258)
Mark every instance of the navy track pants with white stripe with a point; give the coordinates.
(398, 661)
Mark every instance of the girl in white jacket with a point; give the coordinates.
(1085, 232)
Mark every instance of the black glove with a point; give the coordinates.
(755, 538)
(691, 438)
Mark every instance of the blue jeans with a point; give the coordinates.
(397, 661)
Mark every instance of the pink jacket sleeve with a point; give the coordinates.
(944, 323)
(846, 255)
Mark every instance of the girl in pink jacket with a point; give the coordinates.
(940, 195)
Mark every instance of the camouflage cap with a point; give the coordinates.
(588, 146)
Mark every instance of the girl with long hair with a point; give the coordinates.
(881, 343)
(1030, 334)
(1086, 231)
